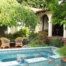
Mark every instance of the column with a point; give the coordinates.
(64, 34)
(49, 29)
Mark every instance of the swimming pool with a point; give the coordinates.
(39, 56)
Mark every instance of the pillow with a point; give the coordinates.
(6, 42)
(19, 41)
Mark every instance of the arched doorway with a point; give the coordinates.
(57, 30)
(45, 23)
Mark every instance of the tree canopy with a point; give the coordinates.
(58, 10)
(12, 12)
(32, 3)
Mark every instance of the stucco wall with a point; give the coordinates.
(39, 27)
(11, 30)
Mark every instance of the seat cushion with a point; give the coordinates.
(19, 41)
(6, 42)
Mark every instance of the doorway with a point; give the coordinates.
(57, 30)
(45, 23)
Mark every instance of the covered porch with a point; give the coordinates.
(47, 25)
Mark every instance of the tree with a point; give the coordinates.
(32, 3)
(12, 12)
(58, 10)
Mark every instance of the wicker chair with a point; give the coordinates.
(5, 42)
(18, 41)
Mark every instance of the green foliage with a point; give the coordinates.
(36, 40)
(57, 42)
(62, 51)
(34, 43)
(32, 3)
(43, 33)
(40, 36)
(24, 32)
(58, 10)
(12, 12)
(59, 14)
(32, 35)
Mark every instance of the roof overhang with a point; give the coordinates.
(37, 11)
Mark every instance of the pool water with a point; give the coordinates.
(9, 55)
(14, 56)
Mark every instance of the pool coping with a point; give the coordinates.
(27, 48)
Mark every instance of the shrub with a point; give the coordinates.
(36, 43)
(37, 39)
(25, 41)
(47, 41)
(32, 35)
(43, 33)
(57, 42)
(62, 51)
(24, 32)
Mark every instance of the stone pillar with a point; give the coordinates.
(49, 29)
(64, 34)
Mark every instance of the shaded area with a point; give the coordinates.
(57, 30)
(2, 30)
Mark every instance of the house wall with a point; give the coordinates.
(10, 30)
(13, 29)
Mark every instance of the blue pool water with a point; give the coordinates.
(9, 55)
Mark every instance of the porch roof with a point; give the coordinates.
(37, 10)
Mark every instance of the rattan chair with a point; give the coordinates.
(5, 42)
(18, 41)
